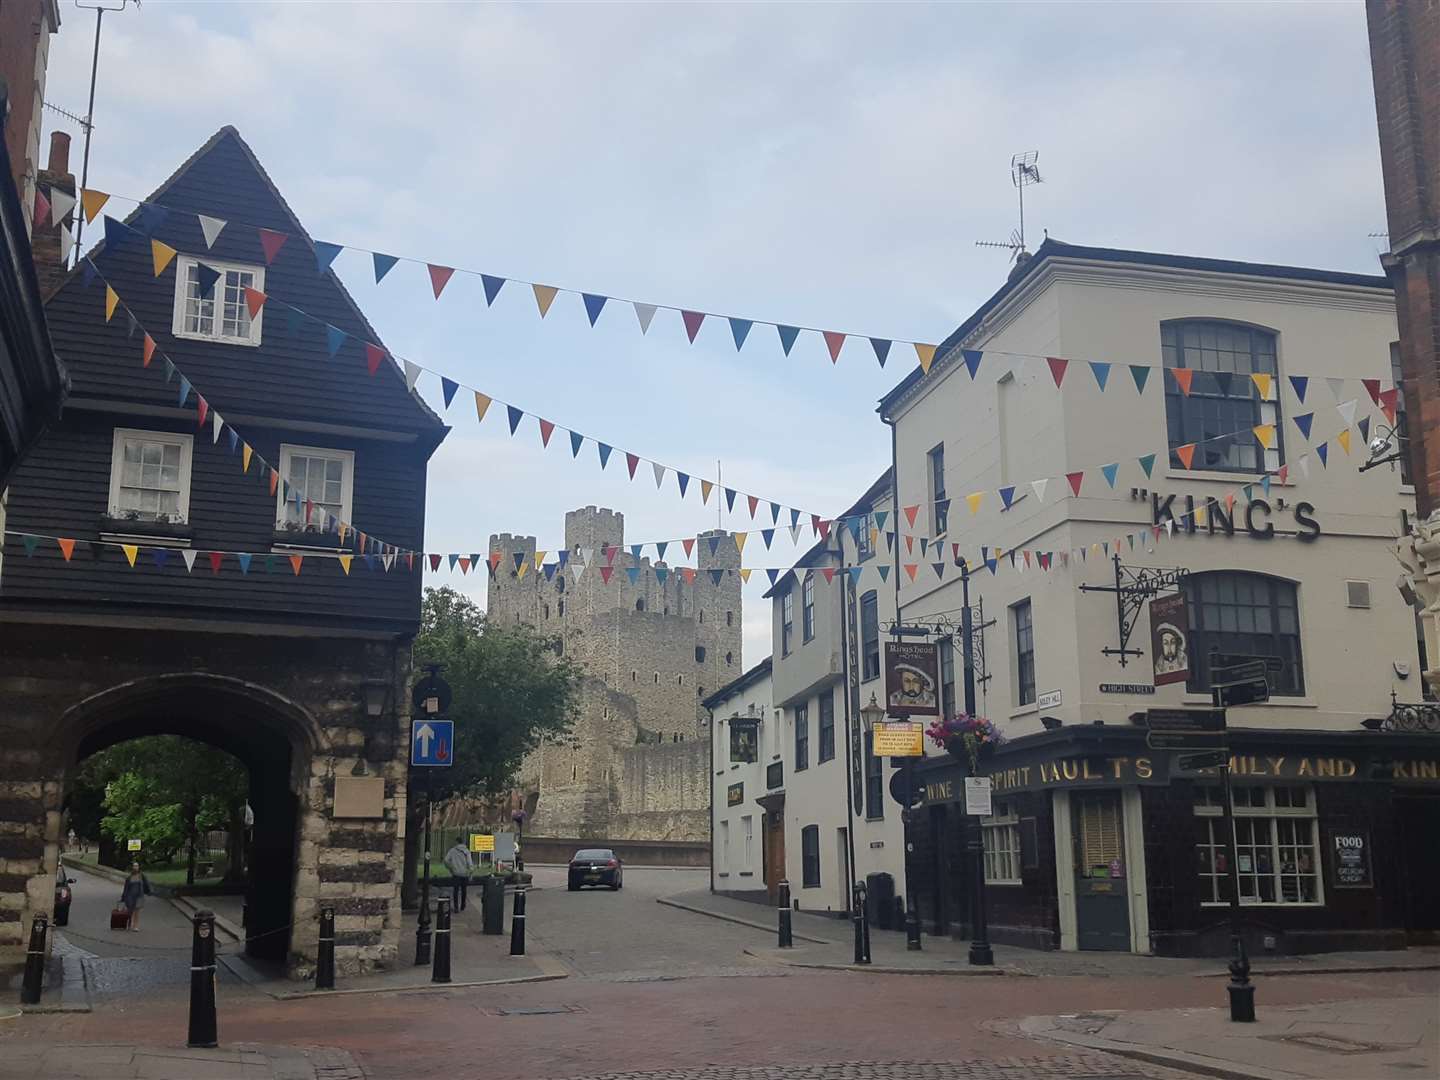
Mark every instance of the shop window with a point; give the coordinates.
(810, 856)
(827, 725)
(1247, 614)
(1023, 634)
(1002, 845)
(802, 737)
(1277, 849)
(807, 609)
(869, 636)
(1223, 398)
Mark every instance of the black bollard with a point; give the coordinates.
(862, 939)
(787, 939)
(202, 982)
(34, 962)
(325, 961)
(517, 923)
(440, 972)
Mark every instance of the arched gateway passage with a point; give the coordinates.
(274, 738)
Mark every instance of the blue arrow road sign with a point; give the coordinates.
(432, 742)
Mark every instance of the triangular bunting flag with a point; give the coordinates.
(972, 359)
(706, 486)
(1057, 369)
(412, 374)
(1039, 486)
(939, 569)
(1140, 373)
(216, 558)
(576, 441)
(131, 550)
(383, 264)
(92, 202)
(188, 554)
(1364, 427)
(910, 512)
(271, 242)
(1344, 440)
(492, 286)
(61, 203)
(67, 546)
(1389, 404)
(688, 544)
(1337, 386)
(42, 208)
(1347, 411)
(254, 301)
(1076, 479)
(112, 299)
(482, 404)
(645, 313)
(926, 355)
(345, 561)
(692, 320)
(1265, 435)
(334, 338)
(740, 538)
(1186, 454)
(788, 334)
(547, 428)
(1303, 422)
(882, 349)
(544, 297)
(160, 256)
(659, 471)
(1262, 383)
(1101, 372)
(325, 253)
(1007, 496)
(373, 355)
(1147, 463)
(245, 458)
(1183, 378)
(740, 330)
(515, 416)
(1323, 453)
(753, 501)
(439, 277)
(1300, 383)
(604, 452)
(295, 561)
(594, 304)
(1109, 472)
(631, 462)
(605, 572)
(767, 535)
(884, 569)
(1372, 387)
(973, 501)
(184, 390)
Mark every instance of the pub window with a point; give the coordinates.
(869, 636)
(1023, 634)
(939, 505)
(1245, 614)
(874, 782)
(802, 737)
(1277, 850)
(1402, 429)
(787, 621)
(1223, 398)
(807, 609)
(150, 476)
(196, 315)
(1002, 845)
(947, 676)
(320, 483)
(827, 725)
(810, 856)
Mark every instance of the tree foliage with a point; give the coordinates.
(511, 690)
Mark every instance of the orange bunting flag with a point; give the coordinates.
(245, 454)
(1229, 508)
(131, 550)
(465, 566)
(93, 202)
(149, 351)
(274, 479)
(740, 539)
(544, 297)
(706, 486)
(482, 402)
(1185, 453)
(345, 563)
(834, 341)
(926, 356)
(1344, 439)
(1265, 434)
(974, 501)
(254, 301)
(910, 512)
(829, 572)
(909, 544)
(439, 277)
(1183, 377)
(295, 561)
(745, 576)
(910, 569)
(160, 256)
(1262, 383)
(112, 298)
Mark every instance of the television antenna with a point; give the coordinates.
(1023, 172)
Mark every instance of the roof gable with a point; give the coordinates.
(291, 374)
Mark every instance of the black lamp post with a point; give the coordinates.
(519, 818)
(871, 715)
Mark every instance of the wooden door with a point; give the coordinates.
(1102, 902)
(774, 852)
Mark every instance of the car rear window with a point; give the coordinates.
(593, 855)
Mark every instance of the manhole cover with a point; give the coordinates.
(534, 1010)
(1332, 1044)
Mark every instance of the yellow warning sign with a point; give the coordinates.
(481, 842)
(899, 740)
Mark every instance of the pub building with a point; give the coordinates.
(1241, 547)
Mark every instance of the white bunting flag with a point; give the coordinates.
(1304, 464)
(577, 570)
(412, 373)
(1337, 386)
(389, 561)
(1039, 486)
(1347, 411)
(61, 203)
(188, 554)
(644, 312)
(659, 474)
(216, 423)
(211, 228)
(67, 244)
(1170, 527)
(586, 555)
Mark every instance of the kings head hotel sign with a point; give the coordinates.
(1170, 638)
(912, 679)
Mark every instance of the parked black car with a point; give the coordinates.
(595, 866)
(62, 897)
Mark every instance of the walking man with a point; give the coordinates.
(457, 861)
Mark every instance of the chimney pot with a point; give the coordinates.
(59, 153)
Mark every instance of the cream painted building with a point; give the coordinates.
(1099, 842)
(744, 748)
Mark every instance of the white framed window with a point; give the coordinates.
(223, 315)
(150, 476)
(1277, 844)
(322, 477)
(1002, 845)
(722, 848)
(748, 823)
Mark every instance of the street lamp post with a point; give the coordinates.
(870, 715)
(519, 818)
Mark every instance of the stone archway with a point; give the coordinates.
(276, 740)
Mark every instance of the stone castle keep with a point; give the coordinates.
(638, 766)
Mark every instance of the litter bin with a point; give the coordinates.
(492, 904)
(880, 902)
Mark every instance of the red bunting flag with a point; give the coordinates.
(693, 319)
(605, 572)
(1183, 378)
(833, 342)
(909, 544)
(824, 527)
(434, 562)
(202, 407)
(631, 462)
(254, 301)
(439, 277)
(1372, 387)
(216, 558)
(1388, 399)
(272, 241)
(149, 351)
(829, 572)
(910, 569)
(42, 207)
(910, 512)
(464, 564)
(688, 543)
(1283, 473)
(546, 430)
(1057, 369)
(1076, 479)
(373, 355)
(754, 502)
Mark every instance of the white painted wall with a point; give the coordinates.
(734, 869)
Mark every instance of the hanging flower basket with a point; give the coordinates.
(968, 738)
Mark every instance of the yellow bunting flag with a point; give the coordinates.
(544, 297)
(245, 454)
(482, 402)
(745, 576)
(93, 201)
(705, 488)
(1265, 433)
(112, 298)
(1185, 453)
(1262, 383)
(131, 550)
(540, 558)
(974, 500)
(345, 563)
(344, 528)
(926, 353)
(740, 539)
(295, 561)
(160, 255)
(1344, 439)
(520, 570)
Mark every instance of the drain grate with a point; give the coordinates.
(534, 1010)
(1333, 1044)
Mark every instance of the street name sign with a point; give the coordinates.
(432, 742)
(1210, 759)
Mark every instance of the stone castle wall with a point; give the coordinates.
(652, 650)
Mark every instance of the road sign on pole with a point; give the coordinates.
(1241, 684)
(1185, 729)
(432, 742)
(1209, 759)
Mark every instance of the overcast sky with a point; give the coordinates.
(823, 165)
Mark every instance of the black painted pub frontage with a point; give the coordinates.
(1097, 842)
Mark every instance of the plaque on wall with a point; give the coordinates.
(359, 797)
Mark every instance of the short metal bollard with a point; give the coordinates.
(517, 923)
(862, 931)
(202, 982)
(325, 957)
(34, 962)
(440, 972)
(787, 938)
(492, 904)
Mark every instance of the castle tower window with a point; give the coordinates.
(657, 678)
(560, 607)
(729, 618)
(699, 691)
(702, 615)
(547, 611)
(679, 680)
(634, 676)
(640, 604)
(699, 654)
(729, 659)
(559, 584)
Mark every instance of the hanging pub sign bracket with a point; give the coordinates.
(1133, 587)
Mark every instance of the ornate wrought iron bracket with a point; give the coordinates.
(1133, 587)
(1406, 718)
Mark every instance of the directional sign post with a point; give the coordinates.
(432, 746)
(1185, 729)
(432, 742)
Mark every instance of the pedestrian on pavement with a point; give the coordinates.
(457, 860)
(137, 887)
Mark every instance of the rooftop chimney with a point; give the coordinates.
(45, 239)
